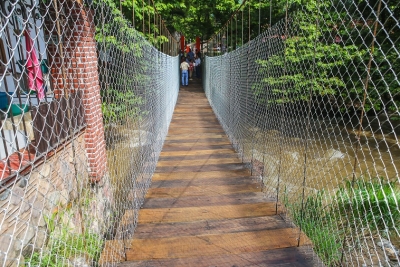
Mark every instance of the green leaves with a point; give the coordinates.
(119, 106)
(306, 62)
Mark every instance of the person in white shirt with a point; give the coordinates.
(185, 68)
(198, 68)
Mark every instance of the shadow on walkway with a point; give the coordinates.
(204, 208)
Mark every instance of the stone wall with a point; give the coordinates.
(60, 183)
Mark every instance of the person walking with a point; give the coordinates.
(198, 68)
(190, 55)
(191, 68)
(185, 68)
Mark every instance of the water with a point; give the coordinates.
(297, 164)
(328, 156)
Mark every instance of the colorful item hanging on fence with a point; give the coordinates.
(34, 73)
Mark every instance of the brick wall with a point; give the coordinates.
(74, 67)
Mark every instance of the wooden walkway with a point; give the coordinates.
(204, 208)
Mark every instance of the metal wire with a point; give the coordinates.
(85, 105)
(312, 106)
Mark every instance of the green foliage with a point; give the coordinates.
(307, 61)
(118, 106)
(312, 57)
(189, 17)
(113, 31)
(64, 246)
(200, 18)
(364, 204)
(114, 25)
(317, 222)
(373, 204)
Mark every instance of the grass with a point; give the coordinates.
(317, 223)
(62, 248)
(64, 244)
(372, 205)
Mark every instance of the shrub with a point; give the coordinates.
(373, 204)
(317, 222)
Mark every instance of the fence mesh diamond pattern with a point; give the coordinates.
(85, 104)
(312, 106)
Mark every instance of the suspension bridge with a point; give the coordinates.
(284, 153)
(204, 208)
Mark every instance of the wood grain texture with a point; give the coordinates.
(209, 227)
(199, 175)
(201, 191)
(284, 257)
(187, 214)
(204, 208)
(208, 245)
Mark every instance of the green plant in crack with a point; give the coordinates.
(62, 248)
(64, 244)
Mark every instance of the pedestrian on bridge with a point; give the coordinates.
(185, 74)
(191, 68)
(198, 68)
(190, 55)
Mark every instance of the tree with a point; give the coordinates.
(310, 58)
(189, 17)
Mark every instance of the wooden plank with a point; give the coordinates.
(201, 191)
(195, 135)
(207, 245)
(197, 157)
(196, 120)
(190, 117)
(200, 139)
(200, 175)
(194, 112)
(113, 251)
(195, 162)
(222, 181)
(195, 123)
(192, 108)
(196, 152)
(283, 257)
(206, 213)
(198, 201)
(209, 227)
(199, 168)
(196, 147)
(205, 127)
(181, 130)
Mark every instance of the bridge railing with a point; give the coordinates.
(311, 104)
(85, 105)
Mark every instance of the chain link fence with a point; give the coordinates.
(85, 104)
(311, 104)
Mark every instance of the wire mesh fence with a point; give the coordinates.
(312, 106)
(85, 104)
